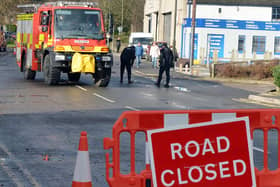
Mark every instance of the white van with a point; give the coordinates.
(146, 39)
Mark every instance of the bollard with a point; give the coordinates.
(181, 68)
(186, 68)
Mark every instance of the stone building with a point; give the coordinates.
(159, 16)
(234, 28)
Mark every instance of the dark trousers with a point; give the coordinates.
(118, 48)
(126, 65)
(167, 72)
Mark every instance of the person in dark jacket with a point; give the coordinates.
(118, 44)
(127, 60)
(166, 58)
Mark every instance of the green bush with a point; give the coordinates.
(276, 75)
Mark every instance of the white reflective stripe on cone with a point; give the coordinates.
(147, 157)
(223, 116)
(82, 169)
(176, 120)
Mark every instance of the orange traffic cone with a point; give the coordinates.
(82, 174)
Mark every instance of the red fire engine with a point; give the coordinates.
(63, 37)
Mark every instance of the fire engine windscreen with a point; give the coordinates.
(78, 23)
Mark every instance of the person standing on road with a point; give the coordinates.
(138, 53)
(127, 59)
(175, 56)
(118, 44)
(154, 52)
(166, 58)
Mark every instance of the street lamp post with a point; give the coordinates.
(174, 35)
(193, 32)
(122, 15)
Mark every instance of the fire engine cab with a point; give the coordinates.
(63, 37)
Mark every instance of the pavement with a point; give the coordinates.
(264, 91)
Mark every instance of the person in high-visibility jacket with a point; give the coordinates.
(127, 60)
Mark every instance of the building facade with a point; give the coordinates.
(232, 33)
(159, 19)
(229, 32)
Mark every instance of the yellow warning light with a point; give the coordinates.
(59, 48)
(105, 49)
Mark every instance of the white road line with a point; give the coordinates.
(139, 72)
(131, 108)
(179, 106)
(258, 149)
(81, 88)
(104, 98)
(12, 175)
(25, 172)
(148, 94)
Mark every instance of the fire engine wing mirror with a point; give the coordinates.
(44, 28)
(45, 20)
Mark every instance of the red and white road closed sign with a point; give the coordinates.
(214, 154)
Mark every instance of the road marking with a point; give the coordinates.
(244, 100)
(179, 106)
(9, 171)
(104, 98)
(131, 108)
(12, 175)
(81, 88)
(139, 72)
(182, 89)
(145, 74)
(258, 149)
(148, 94)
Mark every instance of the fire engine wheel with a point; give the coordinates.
(28, 73)
(74, 77)
(102, 78)
(51, 74)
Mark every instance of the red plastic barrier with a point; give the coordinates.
(133, 122)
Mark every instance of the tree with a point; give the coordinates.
(133, 11)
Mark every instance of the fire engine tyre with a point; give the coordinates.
(51, 74)
(28, 73)
(74, 77)
(102, 78)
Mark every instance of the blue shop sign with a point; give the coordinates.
(234, 24)
(216, 42)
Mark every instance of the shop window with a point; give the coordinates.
(277, 45)
(275, 13)
(258, 44)
(241, 43)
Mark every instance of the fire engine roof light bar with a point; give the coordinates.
(72, 3)
(34, 7)
(29, 7)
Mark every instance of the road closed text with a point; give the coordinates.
(196, 173)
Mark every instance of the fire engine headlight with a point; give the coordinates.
(106, 58)
(59, 57)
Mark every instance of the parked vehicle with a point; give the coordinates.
(145, 39)
(10, 35)
(63, 37)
